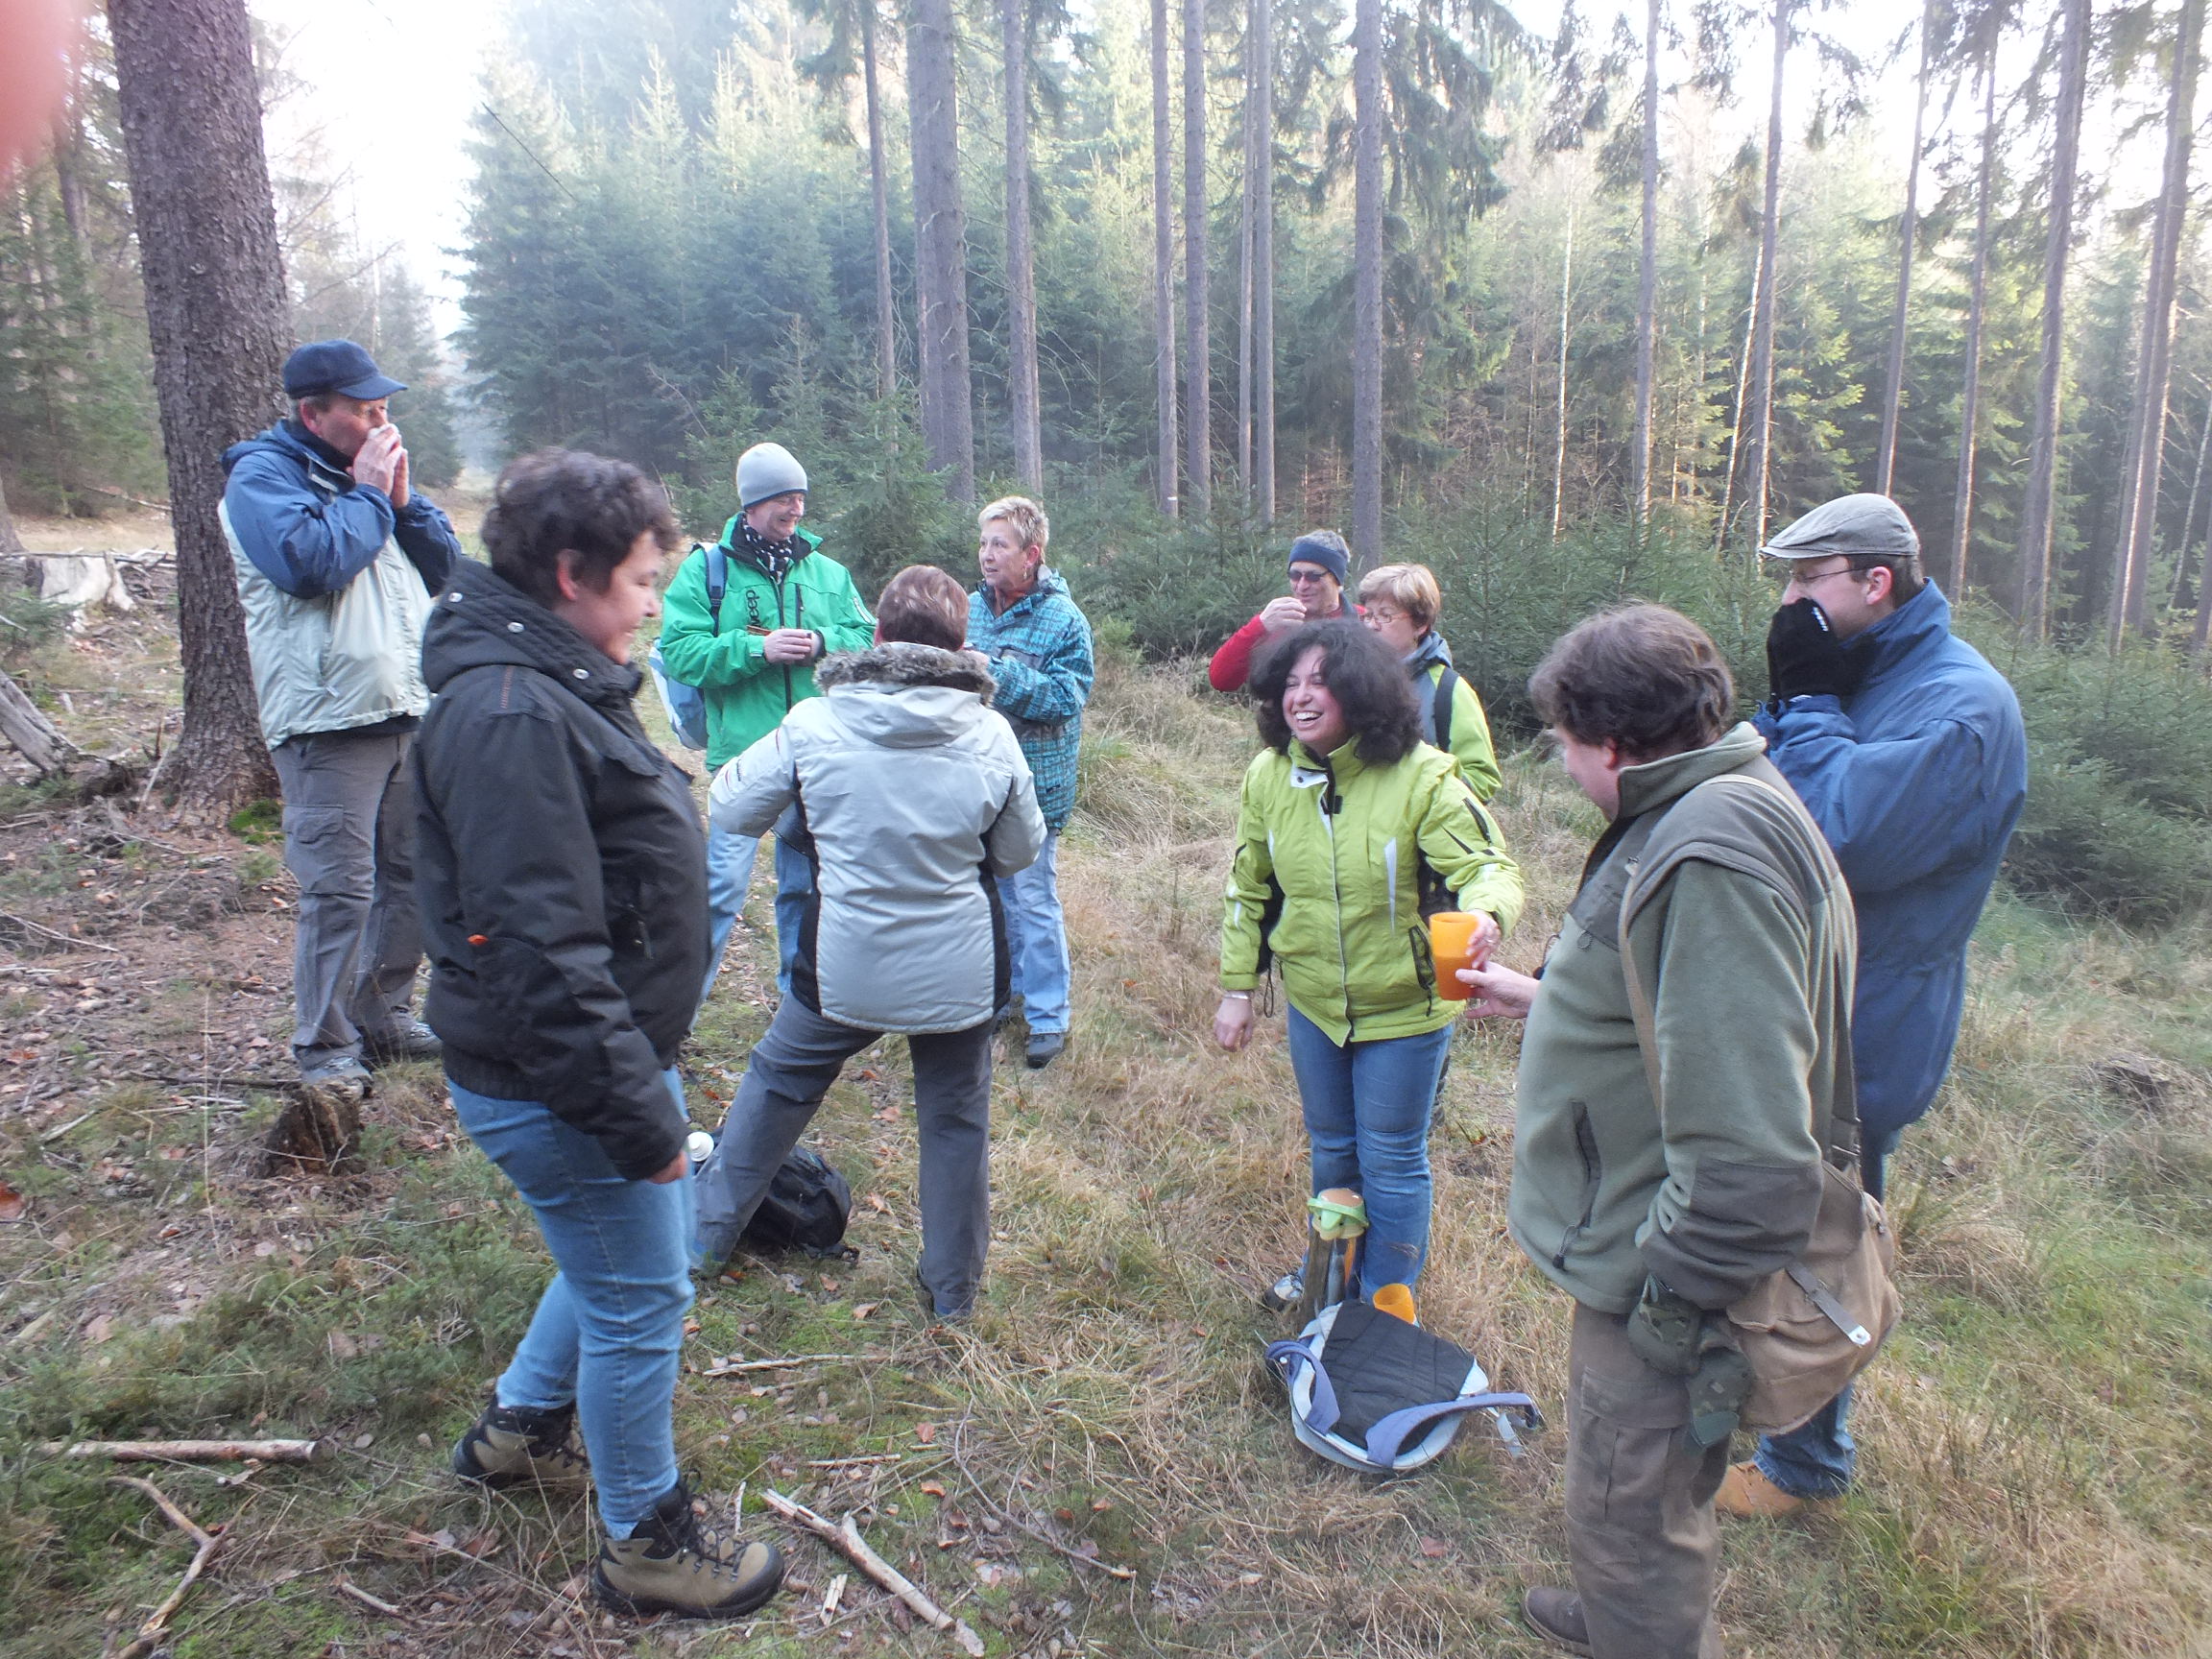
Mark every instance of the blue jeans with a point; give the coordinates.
(1367, 1110)
(609, 1330)
(728, 873)
(1037, 938)
(1816, 1458)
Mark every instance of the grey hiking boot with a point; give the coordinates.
(407, 1041)
(1556, 1615)
(1044, 1047)
(515, 1446)
(672, 1564)
(339, 1077)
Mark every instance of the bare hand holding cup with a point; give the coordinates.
(1497, 993)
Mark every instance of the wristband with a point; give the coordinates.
(1235, 995)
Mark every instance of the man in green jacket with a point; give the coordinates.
(751, 650)
(1691, 1028)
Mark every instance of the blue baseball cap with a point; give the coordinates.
(336, 366)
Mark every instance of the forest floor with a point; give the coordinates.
(1101, 1464)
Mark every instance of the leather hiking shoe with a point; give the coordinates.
(1282, 1295)
(671, 1564)
(409, 1040)
(340, 1078)
(1044, 1047)
(515, 1446)
(1556, 1615)
(1746, 1494)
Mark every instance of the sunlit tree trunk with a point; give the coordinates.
(1264, 256)
(1909, 232)
(1736, 425)
(1559, 408)
(1198, 360)
(2036, 516)
(1367, 283)
(1648, 267)
(1244, 252)
(1761, 422)
(1970, 393)
(880, 194)
(11, 540)
(940, 247)
(1021, 270)
(1169, 460)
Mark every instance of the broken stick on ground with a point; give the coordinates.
(847, 1541)
(156, 1624)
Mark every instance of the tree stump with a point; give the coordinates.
(319, 1133)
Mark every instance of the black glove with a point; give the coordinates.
(1805, 659)
(1663, 1330)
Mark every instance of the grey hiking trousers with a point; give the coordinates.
(1639, 1526)
(791, 1068)
(349, 843)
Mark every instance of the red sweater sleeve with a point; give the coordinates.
(1232, 664)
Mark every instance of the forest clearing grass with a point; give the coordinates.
(1101, 1461)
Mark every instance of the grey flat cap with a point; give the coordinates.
(1863, 526)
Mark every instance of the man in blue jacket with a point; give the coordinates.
(1037, 645)
(339, 562)
(1909, 749)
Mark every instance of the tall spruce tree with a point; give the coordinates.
(940, 246)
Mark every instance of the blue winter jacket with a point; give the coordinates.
(1040, 651)
(305, 524)
(1916, 779)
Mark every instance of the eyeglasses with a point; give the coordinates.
(1299, 577)
(1785, 571)
(1385, 614)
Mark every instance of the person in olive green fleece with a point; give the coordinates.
(1663, 1166)
(1347, 822)
(751, 651)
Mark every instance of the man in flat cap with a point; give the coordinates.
(339, 563)
(1908, 748)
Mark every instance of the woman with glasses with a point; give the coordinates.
(1401, 603)
(1319, 563)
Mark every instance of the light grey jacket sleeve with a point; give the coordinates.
(1015, 839)
(750, 792)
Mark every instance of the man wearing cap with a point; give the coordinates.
(1320, 565)
(1908, 748)
(751, 650)
(339, 562)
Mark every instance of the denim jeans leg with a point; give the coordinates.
(952, 1124)
(790, 1070)
(794, 887)
(729, 873)
(1394, 1096)
(609, 1331)
(1037, 939)
(1323, 1070)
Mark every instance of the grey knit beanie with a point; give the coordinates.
(1860, 527)
(1324, 548)
(767, 469)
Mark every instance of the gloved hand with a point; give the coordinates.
(1805, 658)
(1664, 1330)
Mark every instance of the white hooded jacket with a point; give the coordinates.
(910, 793)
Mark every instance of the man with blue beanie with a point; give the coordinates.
(1908, 750)
(750, 645)
(1320, 568)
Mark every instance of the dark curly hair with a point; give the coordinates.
(555, 500)
(1363, 674)
(1641, 676)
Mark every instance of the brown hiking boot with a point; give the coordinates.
(1556, 1615)
(1747, 1495)
(515, 1446)
(671, 1564)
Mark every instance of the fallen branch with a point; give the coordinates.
(853, 1462)
(847, 1541)
(374, 1603)
(744, 1365)
(186, 1451)
(40, 930)
(205, 1542)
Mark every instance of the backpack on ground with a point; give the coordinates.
(687, 705)
(806, 1208)
(1379, 1394)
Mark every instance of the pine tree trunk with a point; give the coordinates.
(879, 195)
(10, 540)
(1909, 232)
(1171, 460)
(1648, 267)
(1559, 414)
(1263, 261)
(1199, 361)
(1762, 423)
(216, 315)
(2130, 573)
(1970, 393)
(1367, 283)
(2036, 516)
(939, 247)
(1743, 400)
(1021, 264)
(2189, 513)
(1244, 240)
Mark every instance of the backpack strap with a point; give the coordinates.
(1289, 1357)
(1387, 1439)
(1441, 708)
(717, 582)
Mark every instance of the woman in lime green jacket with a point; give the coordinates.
(1349, 828)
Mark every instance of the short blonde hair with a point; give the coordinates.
(1412, 587)
(1021, 516)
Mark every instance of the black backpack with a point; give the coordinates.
(806, 1208)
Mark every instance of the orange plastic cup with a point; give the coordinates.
(1451, 942)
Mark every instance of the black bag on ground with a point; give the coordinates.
(806, 1208)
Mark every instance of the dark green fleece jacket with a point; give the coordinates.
(1720, 887)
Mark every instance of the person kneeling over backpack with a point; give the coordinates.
(910, 795)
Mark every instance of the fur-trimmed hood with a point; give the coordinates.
(900, 663)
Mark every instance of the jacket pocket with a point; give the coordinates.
(1593, 1176)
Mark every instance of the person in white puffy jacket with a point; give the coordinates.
(909, 794)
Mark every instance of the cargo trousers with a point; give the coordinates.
(1641, 1531)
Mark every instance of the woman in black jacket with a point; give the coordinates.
(562, 875)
